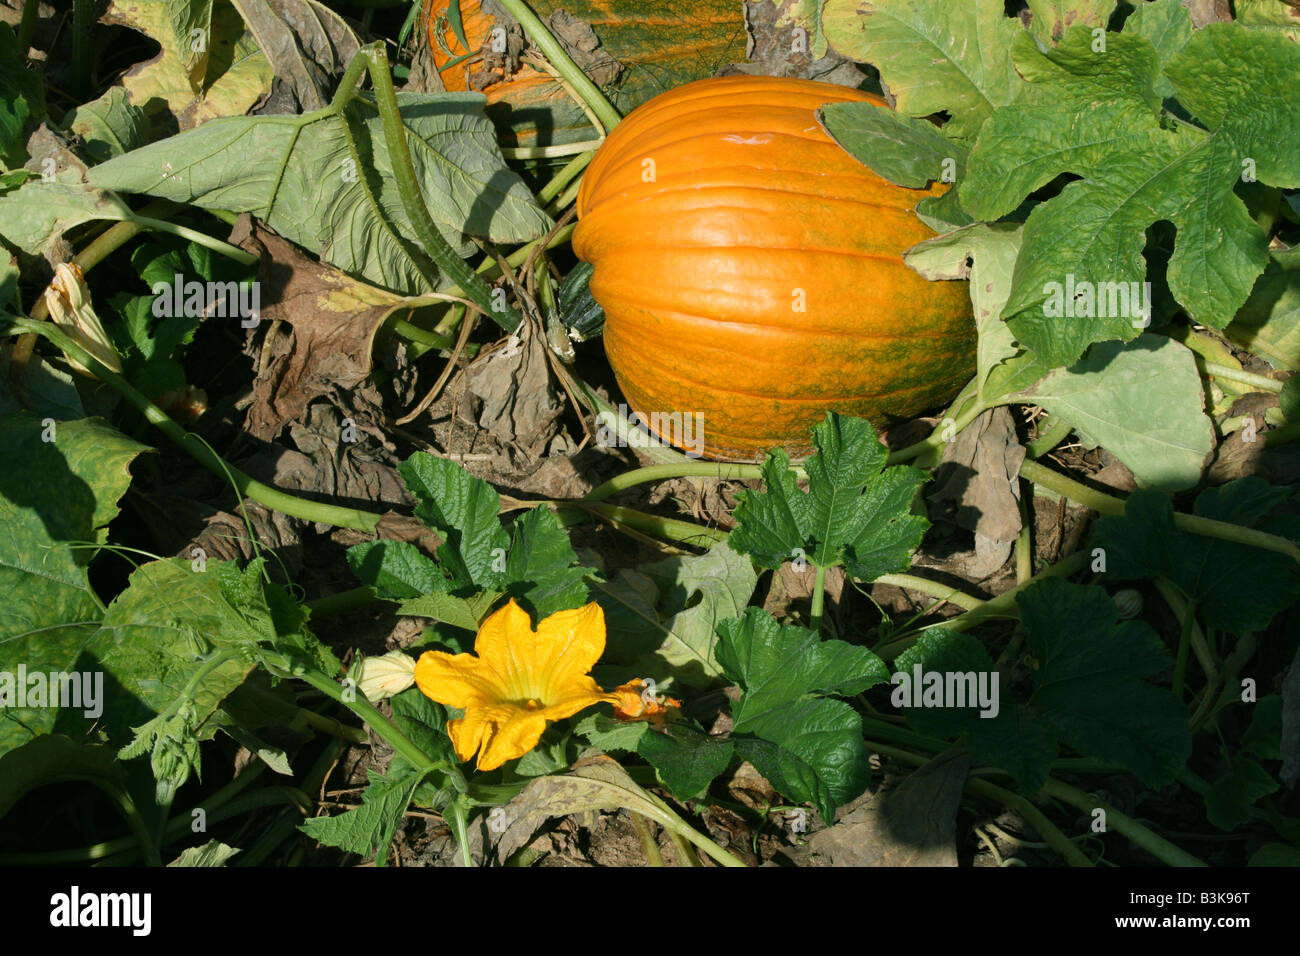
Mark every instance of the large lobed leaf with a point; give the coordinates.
(809, 748)
(325, 180)
(1096, 114)
(856, 512)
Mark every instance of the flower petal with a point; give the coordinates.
(504, 733)
(570, 643)
(507, 647)
(455, 680)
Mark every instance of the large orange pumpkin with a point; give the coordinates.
(661, 45)
(750, 270)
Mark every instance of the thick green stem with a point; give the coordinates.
(1259, 382)
(1002, 606)
(1057, 429)
(670, 529)
(27, 26)
(571, 170)
(933, 588)
(685, 469)
(490, 268)
(385, 728)
(408, 188)
(1069, 488)
(272, 498)
(1190, 636)
(413, 333)
(818, 600)
(1126, 826)
(938, 437)
(196, 237)
(563, 63)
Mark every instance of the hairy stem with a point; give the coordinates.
(563, 63)
(408, 187)
(1107, 505)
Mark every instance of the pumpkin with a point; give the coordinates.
(750, 271)
(660, 45)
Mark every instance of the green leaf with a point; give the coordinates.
(535, 564)
(1095, 114)
(686, 760)
(178, 641)
(856, 512)
(1167, 25)
(173, 94)
(464, 511)
(1230, 798)
(1236, 588)
(1143, 401)
(1268, 15)
(1019, 739)
(809, 748)
(1269, 323)
(424, 722)
(152, 345)
(463, 612)
(662, 618)
(191, 28)
(934, 56)
(906, 151)
(941, 651)
(54, 758)
(1091, 680)
(1276, 854)
(53, 494)
(398, 569)
(1288, 400)
(369, 828)
(608, 734)
(157, 638)
(1263, 737)
(37, 214)
(22, 97)
(991, 252)
(326, 181)
(1051, 17)
(541, 568)
(212, 853)
(1015, 739)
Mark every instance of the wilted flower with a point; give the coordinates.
(68, 301)
(637, 700)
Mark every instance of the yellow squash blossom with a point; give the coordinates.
(519, 680)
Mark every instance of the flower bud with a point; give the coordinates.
(386, 675)
(1129, 603)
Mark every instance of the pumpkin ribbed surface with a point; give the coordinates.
(661, 45)
(751, 270)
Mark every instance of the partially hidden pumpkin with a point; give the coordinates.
(660, 46)
(751, 274)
